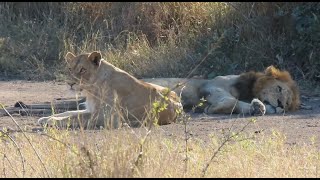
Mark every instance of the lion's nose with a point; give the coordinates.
(280, 104)
(71, 84)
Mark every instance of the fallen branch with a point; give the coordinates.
(59, 105)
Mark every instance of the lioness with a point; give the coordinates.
(113, 95)
(273, 91)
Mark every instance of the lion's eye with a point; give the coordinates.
(279, 88)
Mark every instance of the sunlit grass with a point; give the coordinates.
(113, 154)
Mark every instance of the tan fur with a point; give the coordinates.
(113, 95)
(273, 91)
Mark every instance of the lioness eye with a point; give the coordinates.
(82, 70)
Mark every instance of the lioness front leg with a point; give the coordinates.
(108, 117)
(65, 119)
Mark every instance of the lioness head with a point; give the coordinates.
(277, 89)
(82, 68)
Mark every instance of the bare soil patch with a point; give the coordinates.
(298, 127)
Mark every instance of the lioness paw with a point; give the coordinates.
(57, 122)
(257, 107)
(44, 121)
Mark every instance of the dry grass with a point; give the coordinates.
(155, 39)
(113, 154)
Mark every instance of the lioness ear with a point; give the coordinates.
(69, 56)
(95, 57)
(277, 74)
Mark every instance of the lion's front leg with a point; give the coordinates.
(229, 105)
(67, 119)
(226, 105)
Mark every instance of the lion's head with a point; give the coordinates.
(273, 87)
(82, 68)
(276, 88)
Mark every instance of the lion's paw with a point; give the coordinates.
(257, 107)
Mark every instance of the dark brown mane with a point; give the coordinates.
(245, 83)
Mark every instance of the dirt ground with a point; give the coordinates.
(298, 127)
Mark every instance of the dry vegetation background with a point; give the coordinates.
(161, 39)
(157, 39)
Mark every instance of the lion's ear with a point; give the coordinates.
(69, 56)
(271, 71)
(277, 74)
(95, 57)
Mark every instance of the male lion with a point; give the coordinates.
(113, 95)
(273, 91)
